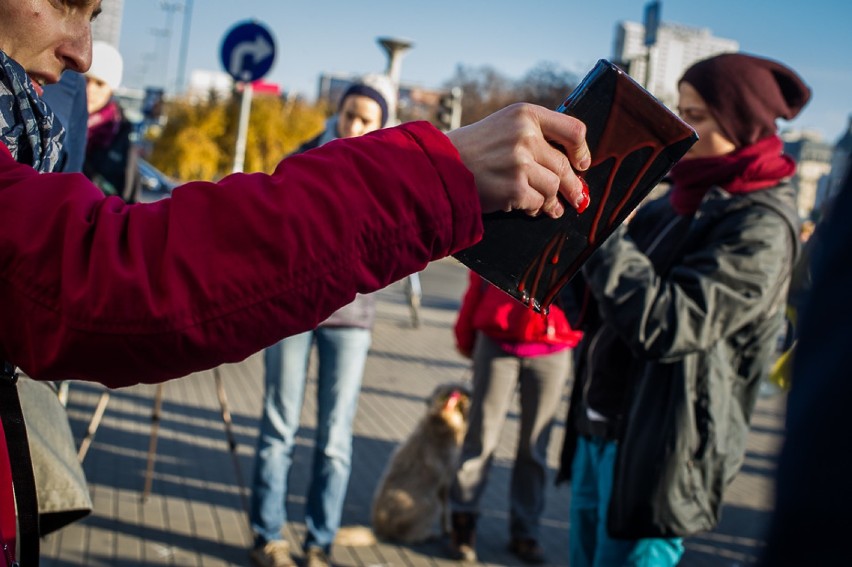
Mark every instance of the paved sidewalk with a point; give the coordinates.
(194, 514)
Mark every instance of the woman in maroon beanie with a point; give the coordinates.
(686, 305)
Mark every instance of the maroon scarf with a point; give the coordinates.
(751, 168)
(103, 126)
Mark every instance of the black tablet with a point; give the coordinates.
(634, 141)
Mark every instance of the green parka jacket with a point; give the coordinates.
(681, 329)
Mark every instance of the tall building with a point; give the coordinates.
(677, 47)
(813, 163)
(107, 26)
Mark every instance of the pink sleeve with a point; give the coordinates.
(92, 288)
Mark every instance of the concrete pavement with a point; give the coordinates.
(194, 514)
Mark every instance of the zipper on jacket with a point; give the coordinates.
(10, 561)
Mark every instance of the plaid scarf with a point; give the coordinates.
(27, 126)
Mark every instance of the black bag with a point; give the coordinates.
(114, 168)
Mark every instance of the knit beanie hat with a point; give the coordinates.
(107, 64)
(746, 94)
(377, 87)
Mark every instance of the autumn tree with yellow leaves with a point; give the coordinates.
(197, 141)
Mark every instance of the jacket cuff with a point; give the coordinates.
(458, 182)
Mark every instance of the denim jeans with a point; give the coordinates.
(342, 353)
(589, 544)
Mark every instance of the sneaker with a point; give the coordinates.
(463, 537)
(316, 557)
(273, 554)
(527, 550)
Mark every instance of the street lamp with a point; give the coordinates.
(395, 49)
(652, 24)
(184, 45)
(170, 8)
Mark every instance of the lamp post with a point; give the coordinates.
(652, 24)
(184, 45)
(165, 35)
(170, 8)
(395, 49)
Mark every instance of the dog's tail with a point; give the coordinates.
(355, 536)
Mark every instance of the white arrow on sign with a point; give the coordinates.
(259, 49)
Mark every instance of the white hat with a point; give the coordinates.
(383, 84)
(107, 64)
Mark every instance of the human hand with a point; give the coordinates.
(515, 165)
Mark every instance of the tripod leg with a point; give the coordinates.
(229, 433)
(152, 443)
(97, 416)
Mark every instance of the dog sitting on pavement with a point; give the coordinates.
(412, 496)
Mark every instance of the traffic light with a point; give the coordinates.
(448, 115)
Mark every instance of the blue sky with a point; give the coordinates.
(315, 36)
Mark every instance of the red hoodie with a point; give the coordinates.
(519, 330)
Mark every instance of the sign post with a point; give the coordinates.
(247, 54)
(652, 24)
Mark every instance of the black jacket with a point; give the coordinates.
(684, 319)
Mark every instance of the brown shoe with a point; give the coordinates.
(527, 550)
(272, 554)
(316, 557)
(463, 537)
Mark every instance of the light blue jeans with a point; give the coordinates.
(589, 544)
(342, 353)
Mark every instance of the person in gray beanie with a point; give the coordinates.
(342, 341)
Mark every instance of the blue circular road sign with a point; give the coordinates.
(248, 51)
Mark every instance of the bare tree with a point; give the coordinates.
(546, 84)
(486, 90)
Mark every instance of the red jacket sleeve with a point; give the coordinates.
(92, 288)
(464, 329)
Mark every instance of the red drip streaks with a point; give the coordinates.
(593, 230)
(555, 258)
(626, 132)
(639, 176)
(538, 264)
(554, 289)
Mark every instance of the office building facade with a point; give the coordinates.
(107, 26)
(660, 67)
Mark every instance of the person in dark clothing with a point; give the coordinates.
(687, 303)
(811, 522)
(111, 156)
